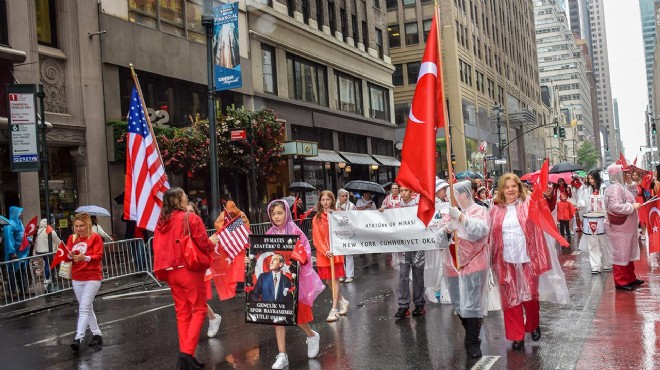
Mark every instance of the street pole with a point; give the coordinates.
(253, 187)
(44, 159)
(499, 137)
(207, 22)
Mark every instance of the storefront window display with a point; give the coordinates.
(63, 187)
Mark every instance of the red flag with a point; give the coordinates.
(539, 212)
(417, 171)
(146, 181)
(30, 229)
(226, 274)
(647, 180)
(650, 214)
(622, 161)
(60, 255)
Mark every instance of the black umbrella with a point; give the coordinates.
(563, 167)
(387, 184)
(301, 187)
(361, 186)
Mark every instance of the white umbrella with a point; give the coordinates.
(93, 210)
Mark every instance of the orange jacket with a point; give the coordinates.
(229, 213)
(565, 210)
(321, 239)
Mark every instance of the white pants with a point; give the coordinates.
(600, 255)
(349, 266)
(85, 293)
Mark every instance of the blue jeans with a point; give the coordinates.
(47, 260)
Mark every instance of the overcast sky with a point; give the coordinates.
(627, 71)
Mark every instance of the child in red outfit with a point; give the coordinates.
(565, 213)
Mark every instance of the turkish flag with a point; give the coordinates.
(650, 216)
(539, 212)
(622, 161)
(417, 171)
(226, 273)
(30, 230)
(60, 255)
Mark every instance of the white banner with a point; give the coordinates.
(393, 230)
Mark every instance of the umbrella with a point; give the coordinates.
(362, 186)
(301, 187)
(531, 177)
(3, 221)
(387, 184)
(468, 175)
(641, 172)
(554, 177)
(93, 210)
(566, 167)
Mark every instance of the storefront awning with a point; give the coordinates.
(387, 161)
(358, 158)
(326, 156)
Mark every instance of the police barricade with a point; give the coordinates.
(261, 228)
(31, 277)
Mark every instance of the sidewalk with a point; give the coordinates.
(626, 327)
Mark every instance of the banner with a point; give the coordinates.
(393, 230)
(271, 281)
(226, 55)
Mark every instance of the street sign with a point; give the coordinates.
(500, 161)
(22, 104)
(491, 158)
(239, 134)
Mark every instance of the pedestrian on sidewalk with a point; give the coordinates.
(96, 228)
(13, 238)
(519, 256)
(186, 286)
(366, 203)
(621, 229)
(45, 233)
(565, 213)
(344, 204)
(324, 256)
(466, 263)
(86, 274)
(591, 201)
(407, 262)
(309, 284)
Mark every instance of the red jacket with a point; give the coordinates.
(92, 247)
(168, 252)
(565, 210)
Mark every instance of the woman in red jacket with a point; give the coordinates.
(187, 287)
(86, 253)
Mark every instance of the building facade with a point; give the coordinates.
(490, 76)
(648, 14)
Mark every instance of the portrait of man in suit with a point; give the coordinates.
(273, 286)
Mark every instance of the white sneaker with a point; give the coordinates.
(430, 295)
(281, 361)
(313, 345)
(342, 279)
(333, 316)
(348, 280)
(343, 307)
(214, 326)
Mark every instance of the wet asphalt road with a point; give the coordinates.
(139, 332)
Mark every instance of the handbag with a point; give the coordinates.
(65, 270)
(194, 259)
(616, 219)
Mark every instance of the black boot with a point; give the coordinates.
(472, 341)
(187, 362)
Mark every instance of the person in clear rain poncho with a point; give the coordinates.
(466, 263)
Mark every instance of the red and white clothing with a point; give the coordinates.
(623, 238)
(390, 200)
(594, 240)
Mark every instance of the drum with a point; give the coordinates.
(594, 224)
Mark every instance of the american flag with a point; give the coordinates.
(234, 237)
(146, 181)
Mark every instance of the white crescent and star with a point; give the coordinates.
(424, 69)
(652, 211)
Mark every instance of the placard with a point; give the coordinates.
(22, 105)
(271, 281)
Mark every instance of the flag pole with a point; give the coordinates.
(450, 168)
(144, 109)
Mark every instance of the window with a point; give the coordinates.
(401, 112)
(319, 13)
(344, 23)
(305, 11)
(349, 93)
(331, 17)
(291, 7)
(480, 81)
(178, 17)
(377, 4)
(194, 12)
(379, 102)
(397, 76)
(394, 33)
(412, 35)
(307, 80)
(413, 72)
(408, 2)
(379, 43)
(365, 35)
(268, 68)
(426, 25)
(46, 22)
(171, 16)
(4, 33)
(391, 4)
(355, 30)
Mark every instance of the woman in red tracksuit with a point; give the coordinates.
(187, 287)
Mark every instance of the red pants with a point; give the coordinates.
(189, 293)
(515, 324)
(624, 275)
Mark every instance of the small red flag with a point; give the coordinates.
(650, 214)
(539, 212)
(622, 161)
(417, 171)
(299, 253)
(30, 230)
(60, 255)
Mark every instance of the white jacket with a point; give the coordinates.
(41, 241)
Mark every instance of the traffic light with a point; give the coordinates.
(503, 143)
(653, 128)
(562, 132)
(453, 159)
(555, 132)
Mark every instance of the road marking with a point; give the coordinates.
(569, 263)
(575, 253)
(134, 293)
(102, 325)
(485, 363)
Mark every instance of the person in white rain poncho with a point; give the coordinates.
(466, 263)
(591, 201)
(433, 271)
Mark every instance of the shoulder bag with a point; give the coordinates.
(616, 219)
(193, 258)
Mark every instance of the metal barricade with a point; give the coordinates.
(261, 228)
(31, 277)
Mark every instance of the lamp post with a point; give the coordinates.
(207, 22)
(44, 158)
(498, 109)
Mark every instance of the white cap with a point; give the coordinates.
(440, 184)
